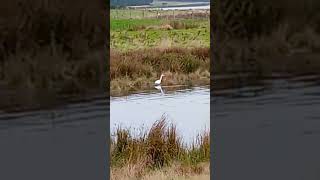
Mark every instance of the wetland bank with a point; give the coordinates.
(144, 48)
(50, 51)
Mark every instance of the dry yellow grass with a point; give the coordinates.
(201, 172)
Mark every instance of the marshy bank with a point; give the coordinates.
(137, 70)
(53, 49)
(283, 51)
(286, 42)
(158, 151)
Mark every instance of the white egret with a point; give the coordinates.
(158, 82)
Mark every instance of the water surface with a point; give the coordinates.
(63, 142)
(268, 127)
(188, 109)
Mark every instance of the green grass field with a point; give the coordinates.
(126, 24)
(132, 34)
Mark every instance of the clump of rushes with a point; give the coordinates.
(158, 148)
(136, 70)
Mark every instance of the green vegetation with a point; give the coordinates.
(156, 38)
(129, 35)
(117, 25)
(142, 24)
(159, 147)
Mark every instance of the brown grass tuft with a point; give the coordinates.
(158, 148)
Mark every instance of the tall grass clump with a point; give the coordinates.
(159, 147)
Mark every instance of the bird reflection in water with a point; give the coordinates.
(159, 88)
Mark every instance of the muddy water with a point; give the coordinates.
(267, 128)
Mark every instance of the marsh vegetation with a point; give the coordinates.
(137, 70)
(287, 41)
(142, 154)
(143, 48)
(52, 49)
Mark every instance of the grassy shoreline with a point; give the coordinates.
(137, 70)
(158, 151)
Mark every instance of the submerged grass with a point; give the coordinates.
(157, 150)
(139, 69)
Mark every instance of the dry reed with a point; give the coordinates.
(158, 148)
(139, 69)
(55, 47)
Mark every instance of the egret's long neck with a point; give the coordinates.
(161, 78)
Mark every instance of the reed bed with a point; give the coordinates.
(52, 48)
(137, 155)
(139, 69)
(286, 42)
(285, 50)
